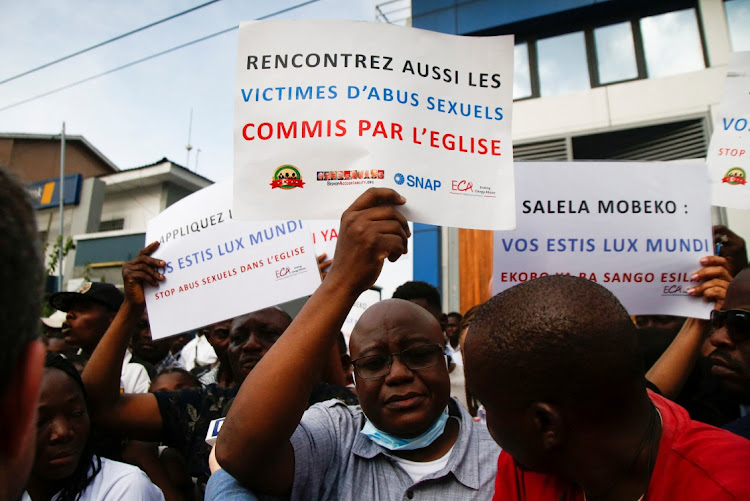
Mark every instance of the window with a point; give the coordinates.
(628, 47)
(521, 74)
(615, 53)
(738, 20)
(672, 43)
(563, 67)
(112, 225)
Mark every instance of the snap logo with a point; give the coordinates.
(412, 181)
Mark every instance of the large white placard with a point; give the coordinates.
(729, 153)
(639, 229)
(219, 268)
(326, 109)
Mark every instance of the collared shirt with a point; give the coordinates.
(133, 377)
(334, 461)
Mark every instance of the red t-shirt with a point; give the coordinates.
(695, 461)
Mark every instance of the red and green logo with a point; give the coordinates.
(287, 177)
(735, 176)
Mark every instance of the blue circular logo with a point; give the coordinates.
(399, 178)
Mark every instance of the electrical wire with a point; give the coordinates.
(101, 44)
(143, 59)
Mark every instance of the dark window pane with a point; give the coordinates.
(738, 19)
(615, 53)
(562, 64)
(672, 43)
(521, 77)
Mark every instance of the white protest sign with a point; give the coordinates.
(729, 153)
(326, 109)
(219, 268)
(325, 235)
(639, 229)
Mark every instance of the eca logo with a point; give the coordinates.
(417, 182)
(461, 185)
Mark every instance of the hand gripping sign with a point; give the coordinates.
(326, 109)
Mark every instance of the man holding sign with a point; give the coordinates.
(408, 437)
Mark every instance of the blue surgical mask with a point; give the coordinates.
(406, 444)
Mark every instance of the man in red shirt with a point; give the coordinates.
(557, 365)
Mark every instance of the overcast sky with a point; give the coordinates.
(140, 114)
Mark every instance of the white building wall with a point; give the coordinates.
(135, 206)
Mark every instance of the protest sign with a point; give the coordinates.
(729, 152)
(325, 235)
(342, 106)
(639, 229)
(219, 268)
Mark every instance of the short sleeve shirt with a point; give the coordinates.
(334, 461)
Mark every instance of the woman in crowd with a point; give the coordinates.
(65, 468)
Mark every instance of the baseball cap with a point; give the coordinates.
(99, 292)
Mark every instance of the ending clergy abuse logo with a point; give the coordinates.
(287, 177)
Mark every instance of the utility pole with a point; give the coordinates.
(61, 193)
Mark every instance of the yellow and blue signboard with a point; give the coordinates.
(46, 193)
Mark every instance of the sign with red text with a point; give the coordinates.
(325, 234)
(637, 228)
(325, 110)
(219, 267)
(729, 152)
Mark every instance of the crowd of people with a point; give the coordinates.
(548, 391)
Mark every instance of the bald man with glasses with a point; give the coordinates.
(406, 439)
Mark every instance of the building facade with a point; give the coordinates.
(596, 80)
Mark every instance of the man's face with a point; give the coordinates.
(145, 347)
(405, 402)
(86, 323)
(62, 429)
(452, 328)
(731, 357)
(218, 337)
(251, 336)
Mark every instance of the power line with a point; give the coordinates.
(101, 44)
(152, 56)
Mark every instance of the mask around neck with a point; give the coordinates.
(406, 444)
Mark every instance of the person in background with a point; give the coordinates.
(90, 311)
(474, 407)
(65, 466)
(573, 415)
(425, 295)
(155, 356)
(221, 373)
(21, 353)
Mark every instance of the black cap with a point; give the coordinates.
(99, 292)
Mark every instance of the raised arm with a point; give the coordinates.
(254, 442)
(136, 415)
(672, 369)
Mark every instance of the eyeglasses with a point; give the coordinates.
(419, 357)
(736, 321)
